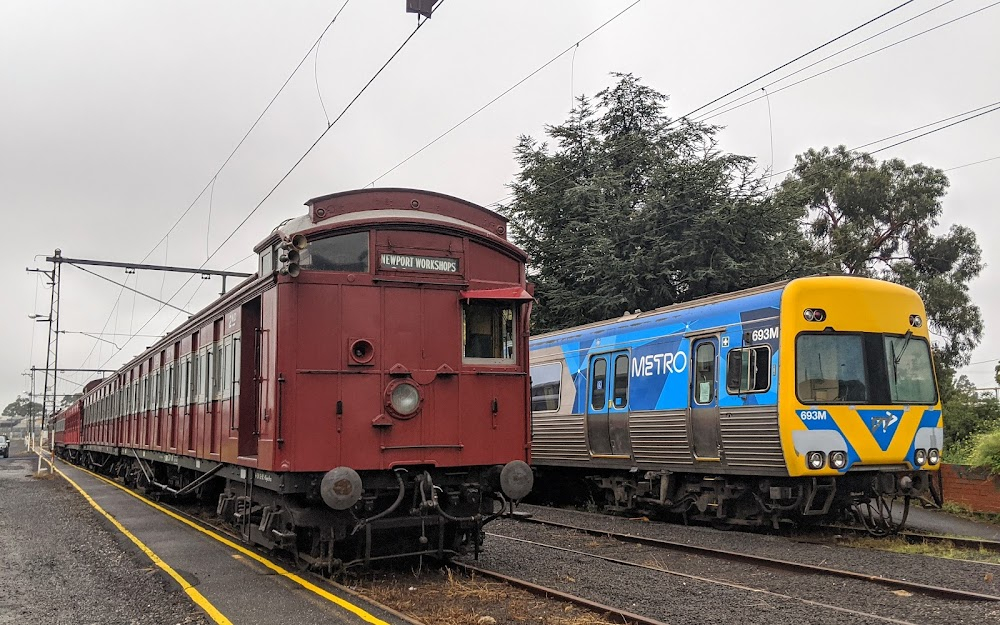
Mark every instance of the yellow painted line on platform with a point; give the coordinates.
(191, 591)
(329, 596)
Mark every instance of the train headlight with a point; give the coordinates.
(404, 399)
(838, 460)
(916, 321)
(920, 457)
(933, 456)
(814, 314)
(815, 460)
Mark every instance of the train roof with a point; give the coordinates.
(778, 288)
(394, 205)
(695, 303)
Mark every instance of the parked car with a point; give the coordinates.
(4, 446)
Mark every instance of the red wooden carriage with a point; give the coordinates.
(372, 375)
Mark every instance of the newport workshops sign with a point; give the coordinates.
(419, 263)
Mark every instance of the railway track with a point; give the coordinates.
(617, 614)
(917, 538)
(194, 516)
(734, 556)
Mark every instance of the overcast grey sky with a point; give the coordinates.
(115, 114)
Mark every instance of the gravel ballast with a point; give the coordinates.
(674, 598)
(62, 562)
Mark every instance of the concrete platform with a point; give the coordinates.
(243, 586)
(935, 521)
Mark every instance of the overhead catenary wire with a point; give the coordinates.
(254, 210)
(250, 130)
(828, 57)
(688, 116)
(214, 178)
(124, 286)
(800, 57)
(503, 93)
(985, 160)
(980, 110)
(706, 116)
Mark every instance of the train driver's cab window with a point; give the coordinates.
(488, 332)
(344, 252)
(546, 384)
(748, 370)
(829, 368)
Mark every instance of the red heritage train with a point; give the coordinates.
(364, 395)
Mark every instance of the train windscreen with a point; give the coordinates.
(863, 368)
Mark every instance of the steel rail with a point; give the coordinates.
(916, 538)
(735, 556)
(708, 580)
(544, 591)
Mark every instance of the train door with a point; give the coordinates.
(704, 398)
(607, 408)
(247, 378)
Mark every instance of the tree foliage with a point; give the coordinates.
(966, 411)
(627, 210)
(22, 407)
(878, 219)
(623, 208)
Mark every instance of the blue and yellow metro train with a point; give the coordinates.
(802, 399)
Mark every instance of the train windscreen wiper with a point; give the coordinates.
(897, 357)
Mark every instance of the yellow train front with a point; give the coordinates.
(805, 399)
(858, 398)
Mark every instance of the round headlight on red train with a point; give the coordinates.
(404, 399)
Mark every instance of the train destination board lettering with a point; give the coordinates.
(419, 263)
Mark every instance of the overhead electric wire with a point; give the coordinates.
(128, 288)
(517, 84)
(800, 57)
(252, 126)
(995, 106)
(828, 57)
(845, 63)
(687, 116)
(212, 180)
(253, 211)
(321, 135)
(985, 160)
(992, 106)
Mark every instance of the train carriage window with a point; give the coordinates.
(748, 370)
(546, 385)
(621, 381)
(704, 370)
(344, 252)
(205, 379)
(488, 332)
(266, 261)
(599, 386)
(218, 366)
